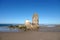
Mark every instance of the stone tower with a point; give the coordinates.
(35, 19)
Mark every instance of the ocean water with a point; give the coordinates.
(2, 25)
(5, 28)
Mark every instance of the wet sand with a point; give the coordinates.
(30, 35)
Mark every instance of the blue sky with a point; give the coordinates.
(17, 11)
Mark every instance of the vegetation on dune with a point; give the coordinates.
(16, 26)
(23, 27)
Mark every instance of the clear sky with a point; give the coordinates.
(17, 11)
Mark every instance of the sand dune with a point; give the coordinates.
(29, 35)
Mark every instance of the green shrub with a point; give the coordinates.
(23, 27)
(17, 26)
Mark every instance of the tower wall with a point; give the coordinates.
(35, 19)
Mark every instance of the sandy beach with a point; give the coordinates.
(30, 35)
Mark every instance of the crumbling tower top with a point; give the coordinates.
(35, 19)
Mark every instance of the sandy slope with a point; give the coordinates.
(30, 36)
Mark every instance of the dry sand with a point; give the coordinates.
(29, 35)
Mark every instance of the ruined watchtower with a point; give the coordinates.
(35, 19)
